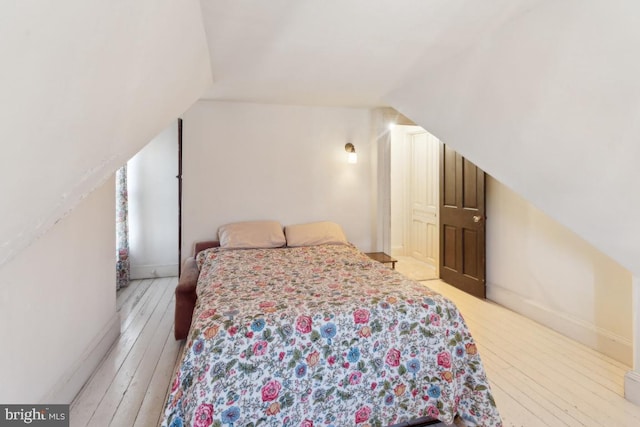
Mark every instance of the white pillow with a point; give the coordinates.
(315, 233)
(251, 234)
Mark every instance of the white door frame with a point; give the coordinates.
(383, 199)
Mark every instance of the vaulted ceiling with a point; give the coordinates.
(347, 53)
(84, 84)
(543, 94)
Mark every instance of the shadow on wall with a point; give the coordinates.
(541, 269)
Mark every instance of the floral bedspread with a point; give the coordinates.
(322, 336)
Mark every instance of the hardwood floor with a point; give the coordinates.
(414, 269)
(129, 387)
(538, 377)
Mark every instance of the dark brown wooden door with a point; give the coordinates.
(179, 197)
(462, 223)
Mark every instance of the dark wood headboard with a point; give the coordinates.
(186, 295)
(201, 246)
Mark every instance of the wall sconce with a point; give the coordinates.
(351, 149)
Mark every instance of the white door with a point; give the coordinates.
(423, 197)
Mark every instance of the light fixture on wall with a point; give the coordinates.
(352, 156)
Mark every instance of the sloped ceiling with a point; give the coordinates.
(543, 95)
(549, 104)
(333, 52)
(84, 85)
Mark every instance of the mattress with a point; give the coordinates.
(323, 335)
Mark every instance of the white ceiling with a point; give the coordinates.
(337, 52)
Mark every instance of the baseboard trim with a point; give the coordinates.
(152, 271)
(602, 340)
(632, 387)
(70, 384)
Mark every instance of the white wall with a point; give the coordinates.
(539, 268)
(57, 305)
(153, 207)
(245, 161)
(548, 104)
(85, 84)
(253, 161)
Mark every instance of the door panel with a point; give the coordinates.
(433, 244)
(462, 219)
(448, 171)
(419, 207)
(469, 248)
(424, 200)
(470, 185)
(449, 252)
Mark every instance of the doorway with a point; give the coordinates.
(152, 203)
(414, 182)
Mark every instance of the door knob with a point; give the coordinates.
(477, 218)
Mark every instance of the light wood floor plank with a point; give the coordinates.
(130, 294)
(529, 400)
(556, 382)
(108, 406)
(565, 355)
(512, 379)
(513, 412)
(139, 382)
(508, 335)
(153, 405)
(135, 303)
(93, 392)
(562, 382)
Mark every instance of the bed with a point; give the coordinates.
(318, 334)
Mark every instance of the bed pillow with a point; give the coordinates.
(251, 234)
(315, 233)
